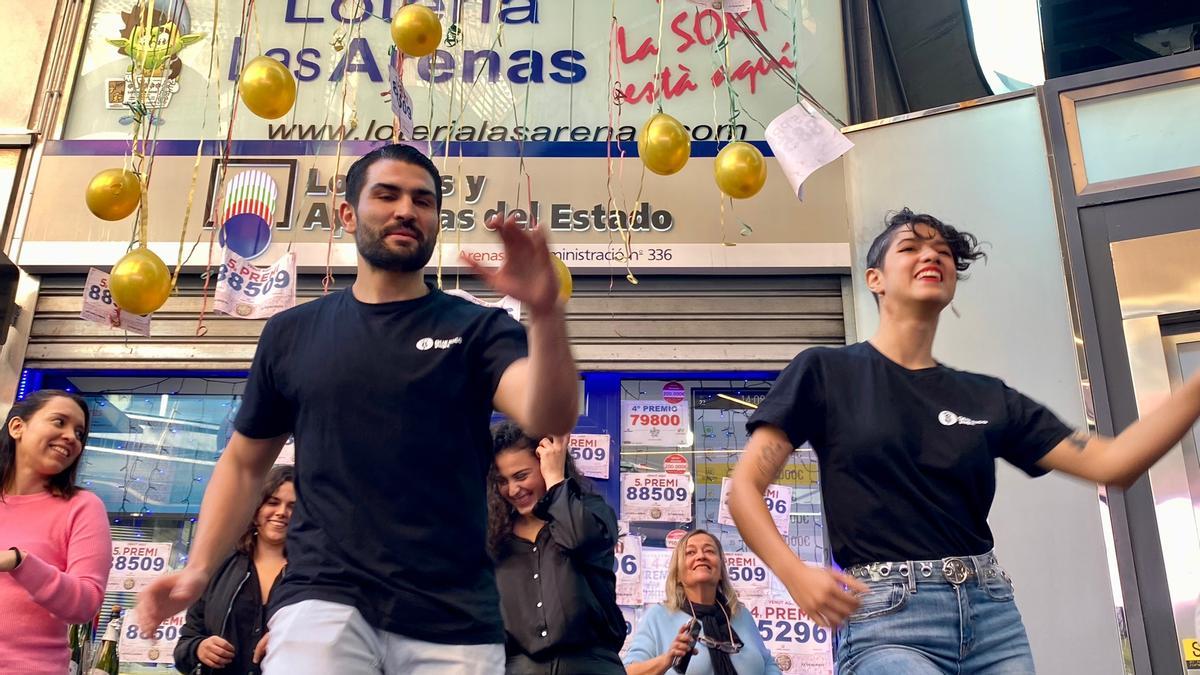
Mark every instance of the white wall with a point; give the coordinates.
(984, 169)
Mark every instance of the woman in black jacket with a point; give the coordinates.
(226, 623)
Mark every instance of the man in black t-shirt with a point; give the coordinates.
(388, 388)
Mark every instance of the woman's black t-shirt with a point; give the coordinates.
(907, 457)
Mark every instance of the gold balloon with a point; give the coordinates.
(740, 170)
(113, 194)
(416, 30)
(140, 282)
(268, 88)
(664, 145)
(565, 283)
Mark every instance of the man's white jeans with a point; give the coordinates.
(319, 637)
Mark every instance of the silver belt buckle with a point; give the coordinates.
(955, 570)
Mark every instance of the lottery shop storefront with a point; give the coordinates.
(725, 294)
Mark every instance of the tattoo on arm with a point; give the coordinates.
(1079, 439)
(772, 458)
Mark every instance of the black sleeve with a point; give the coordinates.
(1031, 432)
(265, 412)
(503, 341)
(580, 522)
(796, 402)
(191, 635)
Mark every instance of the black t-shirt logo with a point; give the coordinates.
(949, 419)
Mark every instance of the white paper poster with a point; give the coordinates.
(748, 574)
(631, 615)
(654, 423)
(287, 454)
(591, 453)
(98, 306)
(136, 563)
(655, 564)
(798, 645)
(158, 647)
(804, 141)
(248, 292)
(629, 566)
(661, 497)
(402, 105)
(778, 499)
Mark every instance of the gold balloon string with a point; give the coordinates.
(463, 104)
(191, 198)
(720, 66)
(781, 71)
(614, 120)
(223, 164)
(303, 45)
(658, 47)
(451, 126)
(523, 170)
(327, 280)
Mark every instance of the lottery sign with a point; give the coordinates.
(654, 423)
(629, 566)
(660, 497)
(98, 306)
(655, 563)
(136, 563)
(778, 499)
(798, 645)
(591, 454)
(748, 574)
(156, 647)
(631, 616)
(248, 292)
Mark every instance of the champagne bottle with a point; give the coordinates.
(107, 662)
(78, 635)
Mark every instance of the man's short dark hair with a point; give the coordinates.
(357, 175)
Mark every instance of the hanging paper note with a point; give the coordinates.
(402, 105)
(98, 306)
(249, 292)
(804, 141)
(661, 497)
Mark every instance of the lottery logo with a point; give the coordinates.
(247, 212)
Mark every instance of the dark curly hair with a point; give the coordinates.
(964, 246)
(62, 484)
(508, 437)
(280, 474)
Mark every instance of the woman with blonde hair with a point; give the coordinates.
(698, 591)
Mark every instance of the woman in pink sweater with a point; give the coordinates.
(55, 547)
